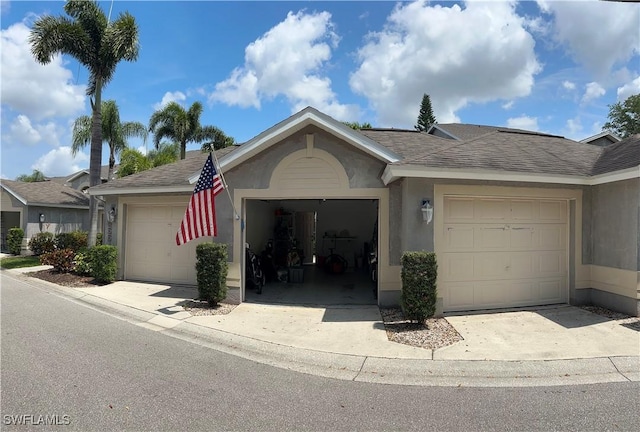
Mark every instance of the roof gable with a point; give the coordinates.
(298, 121)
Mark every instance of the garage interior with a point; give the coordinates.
(312, 251)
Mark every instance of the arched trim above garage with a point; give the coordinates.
(310, 169)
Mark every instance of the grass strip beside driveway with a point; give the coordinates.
(19, 262)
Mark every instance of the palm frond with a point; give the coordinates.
(81, 135)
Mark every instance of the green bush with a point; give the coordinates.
(103, 259)
(82, 263)
(14, 240)
(61, 260)
(42, 243)
(98, 239)
(74, 240)
(211, 272)
(419, 273)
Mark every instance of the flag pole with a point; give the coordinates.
(224, 183)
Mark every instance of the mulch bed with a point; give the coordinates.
(66, 279)
(434, 333)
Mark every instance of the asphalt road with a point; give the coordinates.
(83, 369)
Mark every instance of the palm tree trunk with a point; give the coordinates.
(112, 161)
(95, 161)
(183, 150)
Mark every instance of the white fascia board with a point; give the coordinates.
(295, 124)
(392, 173)
(435, 126)
(629, 173)
(142, 191)
(18, 197)
(71, 206)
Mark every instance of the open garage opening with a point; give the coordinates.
(311, 251)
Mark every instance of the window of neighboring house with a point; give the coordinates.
(85, 189)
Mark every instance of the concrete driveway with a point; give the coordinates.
(546, 333)
(558, 332)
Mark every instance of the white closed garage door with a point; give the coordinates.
(151, 253)
(503, 252)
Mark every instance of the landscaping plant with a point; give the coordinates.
(103, 259)
(14, 240)
(419, 273)
(74, 240)
(211, 272)
(60, 259)
(42, 243)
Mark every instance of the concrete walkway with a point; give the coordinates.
(542, 346)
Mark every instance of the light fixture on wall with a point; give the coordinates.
(427, 210)
(41, 217)
(111, 215)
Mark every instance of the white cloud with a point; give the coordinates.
(568, 85)
(598, 34)
(38, 91)
(478, 53)
(177, 96)
(523, 122)
(508, 105)
(593, 90)
(22, 131)
(574, 129)
(629, 89)
(288, 61)
(60, 161)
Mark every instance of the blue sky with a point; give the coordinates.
(546, 65)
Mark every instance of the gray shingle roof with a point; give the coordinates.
(47, 193)
(621, 155)
(173, 174)
(406, 143)
(513, 151)
(465, 132)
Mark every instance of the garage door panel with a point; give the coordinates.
(457, 267)
(459, 238)
(150, 250)
(553, 211)
(459, 209)
(492, 237)
(503, 252)
(487, 209)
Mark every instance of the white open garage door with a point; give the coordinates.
(151, 253)
(503, 252)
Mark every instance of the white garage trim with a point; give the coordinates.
(475, 286)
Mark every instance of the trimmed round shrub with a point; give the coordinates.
(42, 243)
(14, 240)
(104, 262)
(211, 272)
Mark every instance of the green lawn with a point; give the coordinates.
(19, 261)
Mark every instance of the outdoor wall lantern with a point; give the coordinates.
(427, 210)
(41, 217)
(111, 216)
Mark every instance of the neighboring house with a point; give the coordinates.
(42, 206)
(519, 218)
(80, 179)
(602, 139)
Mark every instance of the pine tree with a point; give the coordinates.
(426, 118)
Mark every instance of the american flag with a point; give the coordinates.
(200, 217)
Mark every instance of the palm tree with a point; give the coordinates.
(183, 126)
(88, 36)
(133, 161)
(114, 133)
(35, 176)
